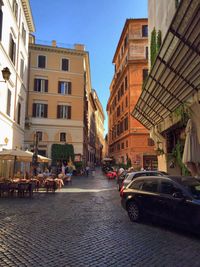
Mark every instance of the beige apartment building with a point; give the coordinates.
(99, 125)
(57, 106)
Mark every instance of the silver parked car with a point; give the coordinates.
(132, 175)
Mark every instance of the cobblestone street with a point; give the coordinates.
(84, 225)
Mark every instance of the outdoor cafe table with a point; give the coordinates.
(22, 187)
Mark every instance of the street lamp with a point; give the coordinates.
(6, 74)
(35, 154)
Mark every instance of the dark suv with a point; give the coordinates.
(124, 180)
(175, 199)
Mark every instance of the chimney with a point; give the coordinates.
(31, 39)
(54, 43)
(79, 47)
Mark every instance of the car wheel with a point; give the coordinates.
(133, 211)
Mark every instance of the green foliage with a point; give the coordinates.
(177, 154)
(160, 151)
(153, 47)
(122, 165)
(78, 165)
(159, 41)
(129, 164)
(62, 152)
(183, 112)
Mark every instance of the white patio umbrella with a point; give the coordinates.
(191, 153)
(40, 157)
(15, 154)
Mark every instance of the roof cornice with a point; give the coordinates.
(28, 15)
(127, 23)
(60, 50)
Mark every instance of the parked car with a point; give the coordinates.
(124, 181)
(111, 174)
(173, 199)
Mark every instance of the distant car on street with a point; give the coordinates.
(173, 199)
(123, 181)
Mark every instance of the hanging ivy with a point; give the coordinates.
(183, 112)
(177, 154)
(159, 41)
(153, 46)
(61, 152)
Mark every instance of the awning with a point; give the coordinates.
(175, 75)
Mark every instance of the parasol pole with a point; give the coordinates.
(13, 174)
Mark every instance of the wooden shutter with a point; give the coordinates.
(58, 111)
(45, 110)
(69, 112)
(35, 85)
(34, 110)
(14, 52)
(69, 88)
(65, 64)
(46, 85)
(59, 87)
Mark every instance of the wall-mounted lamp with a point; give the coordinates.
(6, 74)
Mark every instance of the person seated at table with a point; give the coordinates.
(59, 182)
(18, 174)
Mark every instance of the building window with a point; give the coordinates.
(8, 103)
(146, 52)
(118, 94)
(62, 137)
(19, 113)
(122, 145)
(22, 68)
(118, 111)
(122, 89)
(127, 143)
(1, 22)
(126, 101)
(65, 88)
(126, 124)
(126, 83)
(121, 127)
(40, 85)
(41, 62)
(23, 34)
(39, 135)
(150, 142)
(125, 41)
(144, 30)
(12, 49)
(15, 9)
(145, 74)
(65, 64)
(63, 112)
(40, 110)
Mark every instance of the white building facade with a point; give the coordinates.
(16, 23)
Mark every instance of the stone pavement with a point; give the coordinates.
(84, 225)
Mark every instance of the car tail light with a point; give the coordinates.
(122, 191)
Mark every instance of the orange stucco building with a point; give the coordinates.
(127, 138)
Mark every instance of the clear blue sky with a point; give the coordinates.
(95, 23)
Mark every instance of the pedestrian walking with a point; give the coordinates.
(87, 169)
